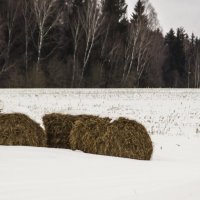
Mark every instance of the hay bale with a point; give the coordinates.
(58, 128)
(18, 129)
(86, 134)
(128, 139)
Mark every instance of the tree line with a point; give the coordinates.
(92, 44)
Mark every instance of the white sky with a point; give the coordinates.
(176, 13)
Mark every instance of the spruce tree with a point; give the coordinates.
(169, 66)
(117, 9)
(179, 51)
(176, 69)
(139, 16)
(192, 39)
(77, 2)
(170, 40)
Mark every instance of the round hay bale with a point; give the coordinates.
(128, 139)
(87, 133)
(58, 128)
(19, 130)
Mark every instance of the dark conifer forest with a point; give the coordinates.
(92, 44)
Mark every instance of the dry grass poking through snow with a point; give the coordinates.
(19, 129)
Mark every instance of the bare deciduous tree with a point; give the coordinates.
(27, 15)
(91, 21)
(137, 52)
(10, 15)
(44, 11)
(76, 29)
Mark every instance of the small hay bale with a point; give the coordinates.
(58, 128)
(87, 133)
(19, 130)
(128, 139)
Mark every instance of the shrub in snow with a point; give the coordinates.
(87, 133)
(128, 139)
(18, 129)
(58, 128)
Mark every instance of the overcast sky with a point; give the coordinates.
(176, 13)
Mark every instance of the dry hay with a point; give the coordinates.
(92, 134)
(18, 129)
(58, 128)
(86, 134)
(128, 139)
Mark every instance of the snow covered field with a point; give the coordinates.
(52, 174)
(162, 111)
(171, 116)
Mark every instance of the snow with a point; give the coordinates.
(29, 173)
(162, 111)
(49, 174)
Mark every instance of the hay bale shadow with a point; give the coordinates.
(20, 130)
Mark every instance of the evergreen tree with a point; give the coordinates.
(175, 71)
(192, 39)
(139, 16)
(170, 40)
(77, 2)
(116, 43)
(179, 51)
(169, 66)
(116, 9)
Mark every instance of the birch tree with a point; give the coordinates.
(27, 16)
(10, 18)
(137, 51)
(91, 21)
(46, 16)
(74, 22)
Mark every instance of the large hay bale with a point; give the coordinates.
(18, 129)
(86, 134)
(58, 128)
(128, 139)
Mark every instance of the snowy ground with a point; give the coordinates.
(52, 174)
(162, 111)
(171, 116)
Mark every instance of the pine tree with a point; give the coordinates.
(192, 39)
(176, 69)
(179, 51)
(115, 8)
(139, 16)
(169, 66)
(170, 39)
(77, 2)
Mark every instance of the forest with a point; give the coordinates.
(93, 44)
